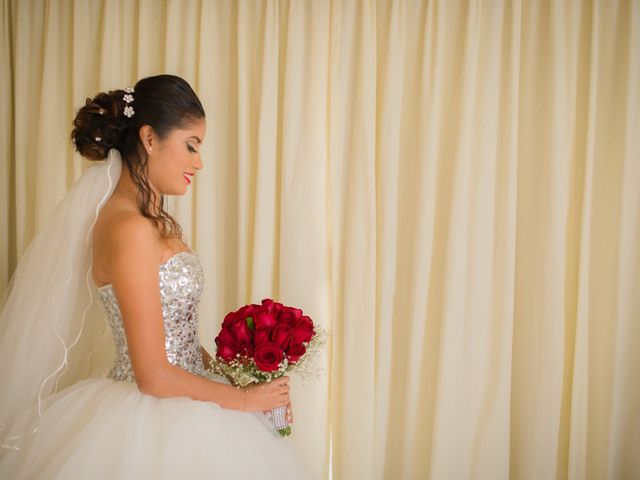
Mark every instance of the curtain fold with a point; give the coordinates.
(451, 188)
(7, 192)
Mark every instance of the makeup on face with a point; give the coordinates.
(177, 154)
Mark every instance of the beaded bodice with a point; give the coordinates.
(181, 282)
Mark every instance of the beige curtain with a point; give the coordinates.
(451, 187)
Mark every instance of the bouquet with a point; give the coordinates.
(259, 343)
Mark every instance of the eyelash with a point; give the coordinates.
(191, 148)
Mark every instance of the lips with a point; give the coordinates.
(186, 177)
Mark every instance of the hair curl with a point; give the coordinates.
(164, 102)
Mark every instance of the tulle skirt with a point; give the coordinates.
(103, 429)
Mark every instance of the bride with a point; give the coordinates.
(158, 413)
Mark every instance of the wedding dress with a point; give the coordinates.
(105, 428)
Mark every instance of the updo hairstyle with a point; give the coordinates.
(164, 102)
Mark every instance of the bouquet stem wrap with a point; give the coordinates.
(278, 417)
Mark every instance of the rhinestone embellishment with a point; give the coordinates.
(181, 282)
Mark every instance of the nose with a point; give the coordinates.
(198, 163)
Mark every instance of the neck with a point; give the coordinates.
(126, 186)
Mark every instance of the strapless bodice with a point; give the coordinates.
(181, 282)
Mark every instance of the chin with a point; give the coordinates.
(179, 189)
(174, 192)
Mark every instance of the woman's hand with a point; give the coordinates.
(266, 395)
(289, 413)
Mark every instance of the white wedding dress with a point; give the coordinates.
(105, 428)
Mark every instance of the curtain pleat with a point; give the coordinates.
(7, 192)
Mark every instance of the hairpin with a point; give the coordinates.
(128, 98)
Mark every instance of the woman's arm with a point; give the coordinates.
(134, 256)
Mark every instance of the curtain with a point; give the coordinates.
(452, 188)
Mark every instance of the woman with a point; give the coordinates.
(159, 413)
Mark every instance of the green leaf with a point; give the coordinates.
(250, 323)
(285, 432)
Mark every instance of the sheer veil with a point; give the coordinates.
(50, 324)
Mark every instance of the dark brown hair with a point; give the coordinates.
(164, 102)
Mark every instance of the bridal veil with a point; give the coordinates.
(51, 330)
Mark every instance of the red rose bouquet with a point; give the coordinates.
(259, 343)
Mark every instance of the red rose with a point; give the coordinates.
(302, 330)
(267, 357)
(225, 336)
(271, 306)
(263, 319)
(286, 317)
(225, 352)
(295, 351)
(240, 331)
(281, 335)
(297, 313)
(227, 347)
(260, 337)
(268, 304)
(244, 312)
(247, 349)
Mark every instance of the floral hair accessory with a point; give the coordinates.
(128, 98)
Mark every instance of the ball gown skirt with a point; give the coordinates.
(106, 429)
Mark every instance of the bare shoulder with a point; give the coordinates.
(132, 230)
(123, 240)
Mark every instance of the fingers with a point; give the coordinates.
(281, 386)
(273, 386)
(289, 412)
(282, 381)
(271, 394)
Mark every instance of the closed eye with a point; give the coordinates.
(191, 148)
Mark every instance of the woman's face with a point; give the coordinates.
(174, 160)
